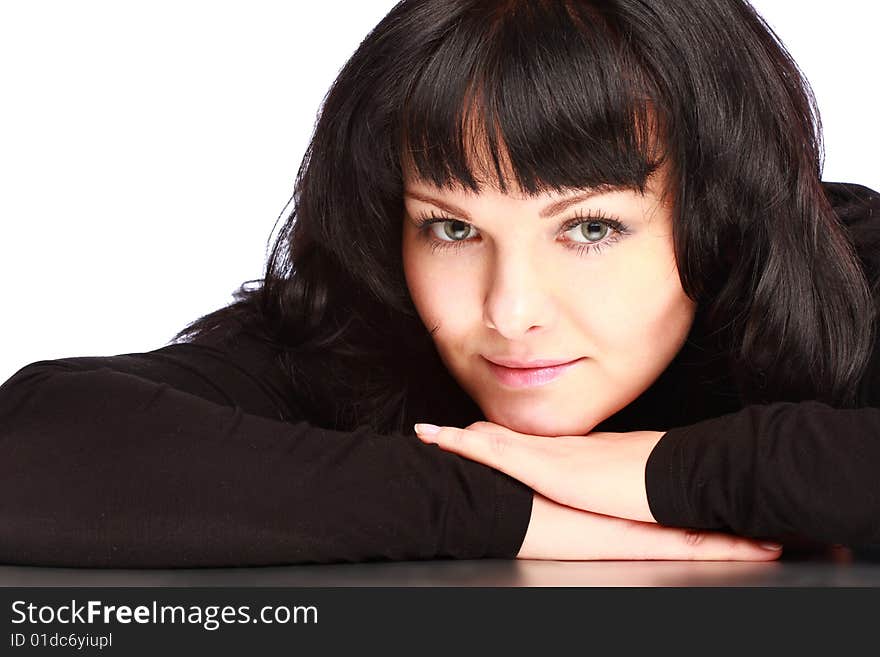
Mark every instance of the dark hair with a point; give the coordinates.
(563, 94)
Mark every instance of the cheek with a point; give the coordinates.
(447, 312)
(646, 316)
(440, 293)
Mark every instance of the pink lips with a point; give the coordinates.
(526, 377)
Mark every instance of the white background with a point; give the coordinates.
(147, 149)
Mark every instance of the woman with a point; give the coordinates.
(492, 182)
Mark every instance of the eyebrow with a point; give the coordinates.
(549, 211)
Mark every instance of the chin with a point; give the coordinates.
(532, 423)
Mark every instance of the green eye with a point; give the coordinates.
(594, 230)
(597, 230)
(452, 229)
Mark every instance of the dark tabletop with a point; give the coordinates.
(835, 567)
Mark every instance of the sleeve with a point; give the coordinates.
(191, 456)
(803, 470)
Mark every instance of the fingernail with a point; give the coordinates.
(771, 546)
(427, 429)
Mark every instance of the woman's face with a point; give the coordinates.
(506, 277)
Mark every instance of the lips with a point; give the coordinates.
(527, 377)
(529, 364)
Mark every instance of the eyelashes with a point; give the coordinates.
(425, 222)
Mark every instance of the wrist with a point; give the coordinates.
(617, 473)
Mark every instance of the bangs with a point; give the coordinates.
(539, 95)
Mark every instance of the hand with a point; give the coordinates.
(561, 533)
(590, 501)
(601, 472)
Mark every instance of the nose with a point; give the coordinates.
(517, 299)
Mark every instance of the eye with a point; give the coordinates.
(591, 234)
(593, 230)
(455, 230)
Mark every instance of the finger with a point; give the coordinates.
(507, 451)
(490, 427)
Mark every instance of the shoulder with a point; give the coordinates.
(858, 209)
(849, 197)
(857, 206)
(246, 364)
(853, 203)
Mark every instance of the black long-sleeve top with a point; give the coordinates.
(201, 455)
(196, 455)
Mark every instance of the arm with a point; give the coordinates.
(560, 532)
(805, 469)
(789, 471)
(195, 456)
(190, 456)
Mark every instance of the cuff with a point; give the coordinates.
(664, 480)
(513, 511)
